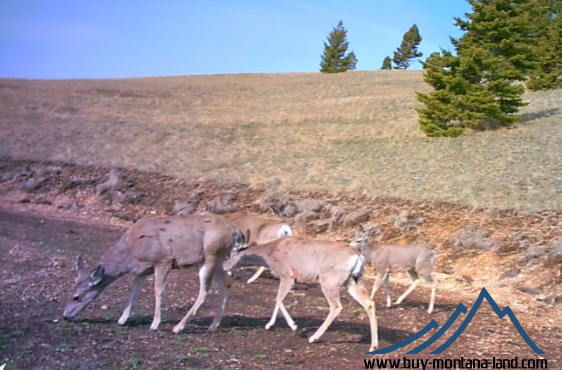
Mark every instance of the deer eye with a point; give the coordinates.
(76, 298)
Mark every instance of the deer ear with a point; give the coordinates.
(282, 212)
(358, 230)
(248, 236)
(371, 232)
(79, 265)
(96, 276)
(273, 211)
(207, 208)
(239, 238)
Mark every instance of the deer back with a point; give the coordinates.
(401, 257)
(187, 240)
(263, 229)
(306, 260)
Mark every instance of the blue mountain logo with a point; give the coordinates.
(460, 308)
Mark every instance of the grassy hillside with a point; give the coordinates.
(349, 132)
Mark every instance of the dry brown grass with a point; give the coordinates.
(352, 132)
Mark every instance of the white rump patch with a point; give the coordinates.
(356, 265)
(285, 230)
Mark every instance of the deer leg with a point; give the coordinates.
(161, 274)
(205, 280)
(332, 294)
(415, 282)
(227, 279)
(271, 322)
(433, 284)
(284, 288)
(256, 275)
(219, 277)
(376, 286)
(137, 284)
(358, 291)
(432, 300)
(387, 288)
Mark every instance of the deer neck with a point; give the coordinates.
(369, 249)
(117, 262)
(262, 250)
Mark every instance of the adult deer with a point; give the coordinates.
(158, 246)
(416, 259)
(333, 264)
(262, 229)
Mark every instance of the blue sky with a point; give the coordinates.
(112, 38)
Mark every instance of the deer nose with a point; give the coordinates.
(68, 315)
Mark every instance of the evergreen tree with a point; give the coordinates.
(335, 59)
(554, 6)
(475, 88)
(504, 29)
(387, 63)
(440, 116)
(548, 35)
(408, 50)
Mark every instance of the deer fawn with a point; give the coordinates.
(331, 263)
(416, 259)
(158, 246)
(263, 230)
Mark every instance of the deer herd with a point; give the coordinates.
(215, 244)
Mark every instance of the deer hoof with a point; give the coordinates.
(268, 326)
(177, 329)
(312, 339)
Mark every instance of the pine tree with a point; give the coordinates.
(475, 88)
(408, 50)
(335, 59)
(504, 29)
(387, 63)
(553, 6)
(548, 35)
(440, 116)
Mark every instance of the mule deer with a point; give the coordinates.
(263, 230)
(333, 264)
(158, 246)
(416, 259)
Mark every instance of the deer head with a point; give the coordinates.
(88, 286)
(361, 239)
(241, 241)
